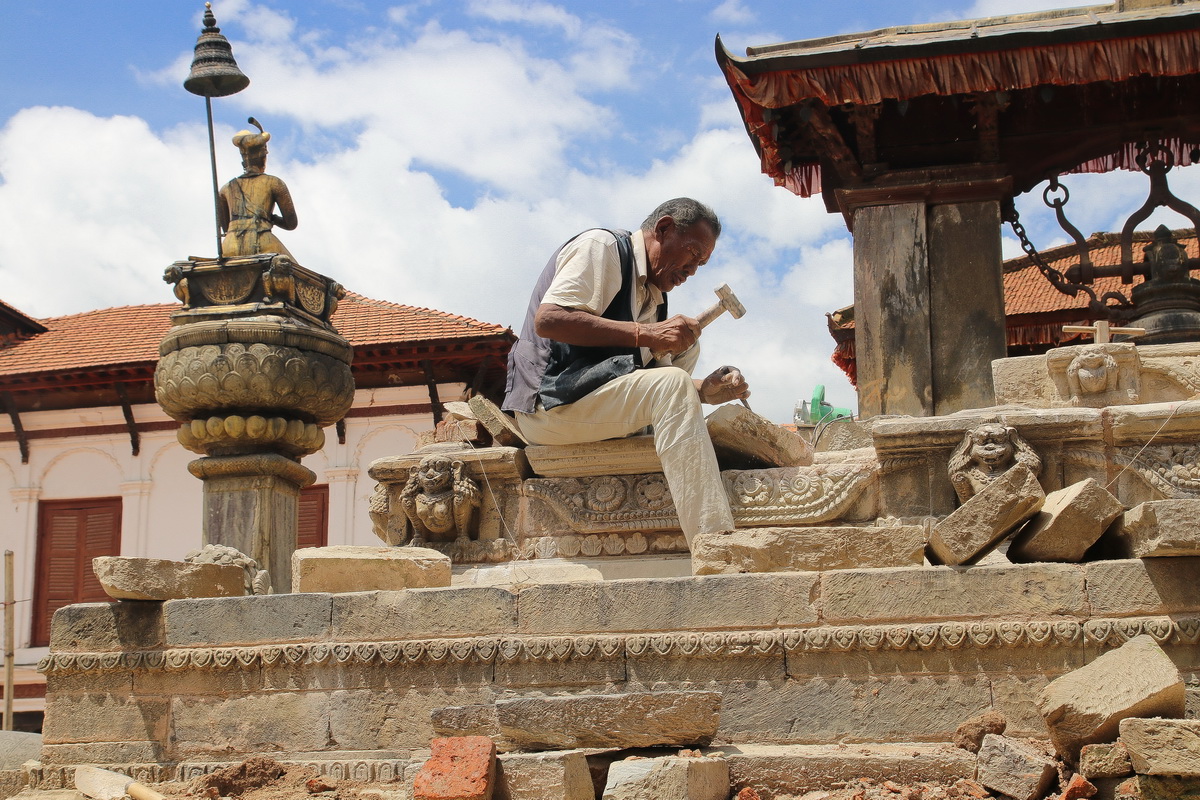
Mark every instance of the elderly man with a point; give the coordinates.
(582, 370)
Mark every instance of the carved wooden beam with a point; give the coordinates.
(135, 441)
(480, 374)
(825, 134)
(10, 406)
(864, 119)
(431, 382)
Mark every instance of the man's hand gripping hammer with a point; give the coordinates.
(726, 301)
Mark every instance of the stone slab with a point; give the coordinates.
(459, 768)
(633, 455)
(346, 568)
(807, 549)
(1155, 787)
(675, 777)
(1163, 746)
(640, 719)
(417, 613)
(1086, 705)
(107, 627)
(797, 769)
(17, 747)
(1160, 528)
(558, 775)
(662, 604)
(1105, 760)
(927, 593)
(979, 524)
(1014, 768)
(128, 578)
(1070, 521)
(1128, 587)
(259, 619)
(745, 440)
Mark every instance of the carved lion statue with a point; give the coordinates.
(985, 453)
(440, 501)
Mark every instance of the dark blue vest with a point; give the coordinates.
(557, 373)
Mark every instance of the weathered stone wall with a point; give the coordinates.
(900, 654)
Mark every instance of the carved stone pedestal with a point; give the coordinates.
(251, 503)
(253, 370)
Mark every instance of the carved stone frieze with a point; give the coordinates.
(600, 544)
(235, 432)
(643, 503)
(1172, 469)
(953, 635)
(383, 770)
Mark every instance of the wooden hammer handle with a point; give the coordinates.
(140, 791)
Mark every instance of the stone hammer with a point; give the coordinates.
(726, 301)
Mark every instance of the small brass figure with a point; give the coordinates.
(440, 501)
(985, 453)
(246, 204)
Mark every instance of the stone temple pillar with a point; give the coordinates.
(928, 296)
(253, 370)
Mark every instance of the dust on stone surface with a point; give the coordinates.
(261, 778)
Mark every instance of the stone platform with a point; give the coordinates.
(872, 655)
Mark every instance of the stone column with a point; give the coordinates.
(928, 296)
(253, 370)
(252, 503)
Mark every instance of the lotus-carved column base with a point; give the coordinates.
(252, 502)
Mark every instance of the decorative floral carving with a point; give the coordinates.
(216, 433)
(275, 380)
(1172, 469)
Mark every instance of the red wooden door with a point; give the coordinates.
(313, 530)
(70, 534)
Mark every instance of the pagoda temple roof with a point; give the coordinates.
(973, 92)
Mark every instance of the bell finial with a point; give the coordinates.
(214, 72)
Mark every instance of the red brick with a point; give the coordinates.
(461, 768)
(1078, 787)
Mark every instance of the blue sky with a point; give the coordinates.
(438, 152)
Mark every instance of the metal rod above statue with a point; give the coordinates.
(214, 73)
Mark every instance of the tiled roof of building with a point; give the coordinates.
(1026, 291)
(130, 335)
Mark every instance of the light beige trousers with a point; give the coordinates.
(666, 398)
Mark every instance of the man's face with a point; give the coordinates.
(674, 254)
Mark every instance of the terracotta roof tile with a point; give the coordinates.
(1026, 291)
(129, 335)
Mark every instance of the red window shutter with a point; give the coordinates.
(313, 530)
(70, 534)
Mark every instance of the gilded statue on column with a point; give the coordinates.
(247, 204)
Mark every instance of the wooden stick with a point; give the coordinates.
(9, 636)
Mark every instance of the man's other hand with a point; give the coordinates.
(724, 384)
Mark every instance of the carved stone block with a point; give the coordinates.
(1160, 528)
(808, 549)
(346, 568)
(1096, 375)
(1070, 521)
(125, 578)
(612, 720)
(744, 440)
(1137, 679)
(983, 520)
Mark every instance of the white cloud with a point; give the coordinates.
(732, 12)
(533, 13)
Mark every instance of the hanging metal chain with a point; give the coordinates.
(1096, 304)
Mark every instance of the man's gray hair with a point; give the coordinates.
(685, 211)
